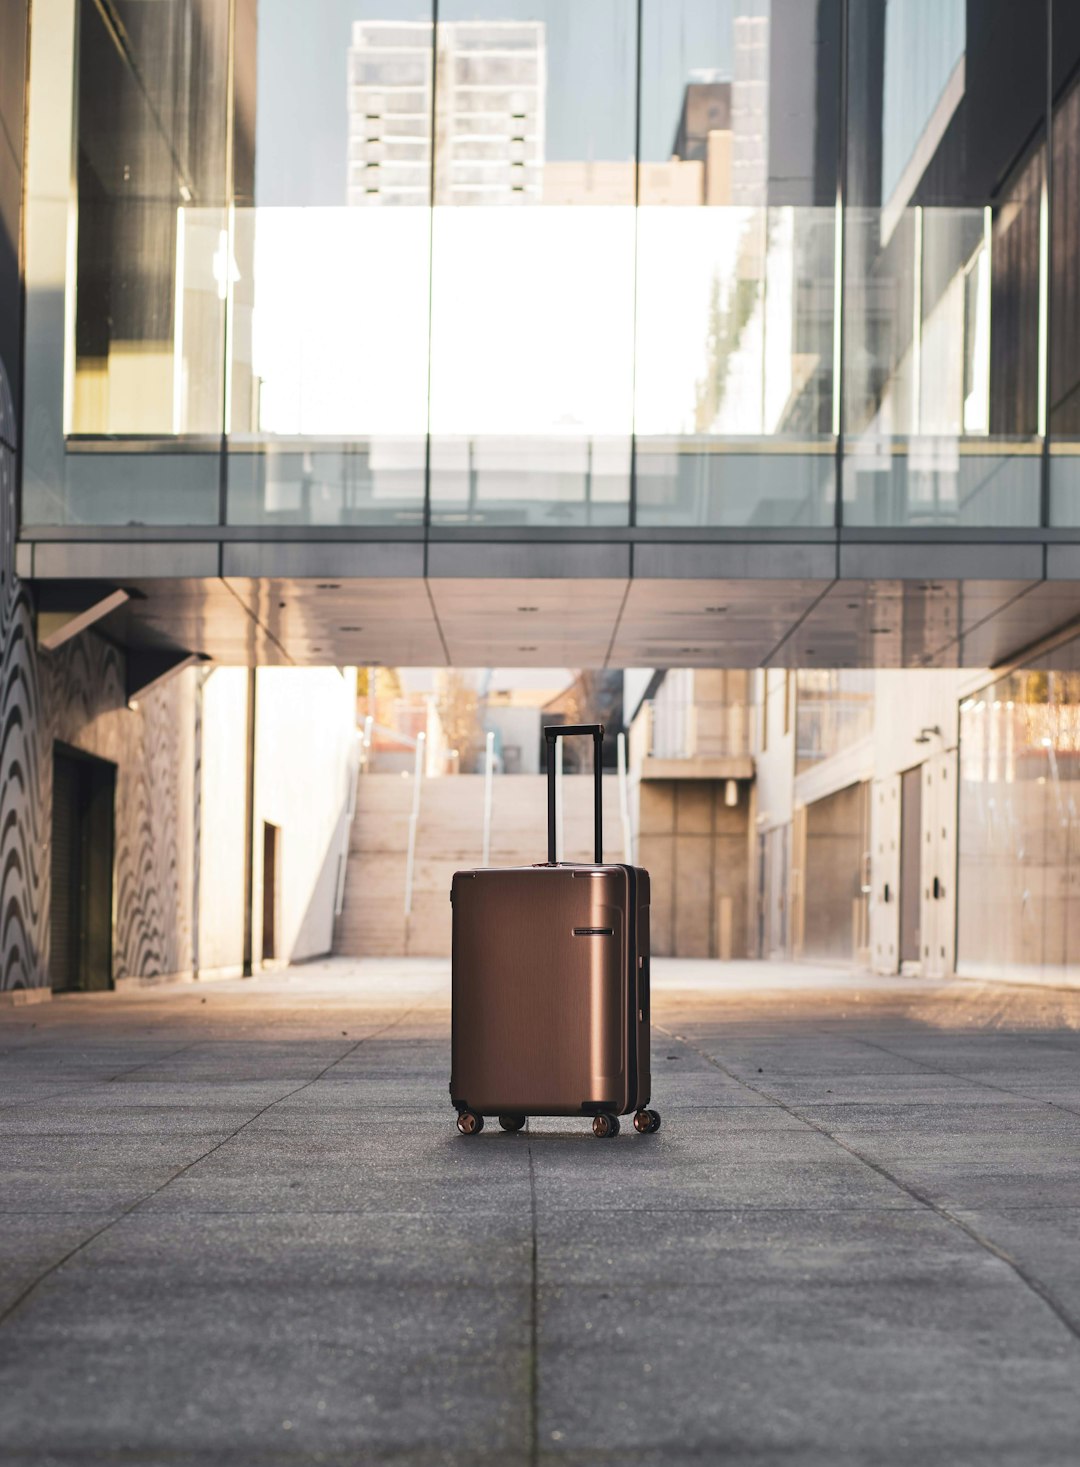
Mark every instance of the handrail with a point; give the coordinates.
(414, 820)
(489, 743)
(624, 803)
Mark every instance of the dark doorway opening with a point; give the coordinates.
(910, 864)
(81, 868)
(271, 844)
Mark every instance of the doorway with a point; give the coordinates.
(271, 845)
(81, 871)
(837, 890)
(911, 865)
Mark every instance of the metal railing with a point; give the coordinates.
(683, 729)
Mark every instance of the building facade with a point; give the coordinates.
(922, 823)
(786, 326)
(489, 145)
(777, 370)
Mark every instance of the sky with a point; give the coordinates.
(302, 49)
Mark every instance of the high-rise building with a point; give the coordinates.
(389, 113)
(749, 109)
(489, 128)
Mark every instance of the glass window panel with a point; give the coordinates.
(945, 241)
(1019, 871)
(533, 262)
(329, 296)
(144, 329)
(1064, 319)
(834, 710)
(733, 409)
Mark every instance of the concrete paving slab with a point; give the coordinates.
(32, 1242)
(342, 1279)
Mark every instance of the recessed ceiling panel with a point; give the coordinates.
(527, 623)
(898, 623)
(347, 622)
(708, 623)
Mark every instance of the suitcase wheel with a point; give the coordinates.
(511, 1123)
(646, 1122)
(605, 1125)
(469, 1123)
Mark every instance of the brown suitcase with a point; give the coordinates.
(551, 985)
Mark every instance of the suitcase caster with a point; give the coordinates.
(469, 1123)
(605, 1125)
(646, 1122)
(511, 1123)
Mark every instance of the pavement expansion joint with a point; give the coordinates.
(1026, 1277)
(59, 1263)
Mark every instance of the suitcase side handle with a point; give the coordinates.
(560, 731)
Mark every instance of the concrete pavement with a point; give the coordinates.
(237, 1226)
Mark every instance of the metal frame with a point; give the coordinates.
(427, 532)
(540, 535)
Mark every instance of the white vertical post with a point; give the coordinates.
(356, 763)
(489, 770)
(624, 804)
(414, 817)
(365, 751)
(558, 801)
(917, 324)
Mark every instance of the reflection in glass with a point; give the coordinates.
(833, 710)
(1019, 878)
(944, 245)
(371, 255)
(533, 262)
(144, 322)
(327, 403)
(152, 245)
(734, 351)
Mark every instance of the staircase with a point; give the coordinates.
(449, 838)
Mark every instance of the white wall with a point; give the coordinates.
(775, 759)
(516, 729)
(224, 766)
(305, 736)
(635, 681)
(305, 739)
(906, 704)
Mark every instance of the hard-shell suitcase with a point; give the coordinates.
(551, 985)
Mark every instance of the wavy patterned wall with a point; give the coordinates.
(153, 749)
(23, 823)
(76, 695)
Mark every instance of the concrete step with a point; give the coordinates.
(449, 838)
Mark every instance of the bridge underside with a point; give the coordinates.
(577, 602)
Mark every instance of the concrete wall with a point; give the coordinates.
(833, 920)
(696, 850)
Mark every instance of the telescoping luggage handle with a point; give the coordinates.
(560, 731)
